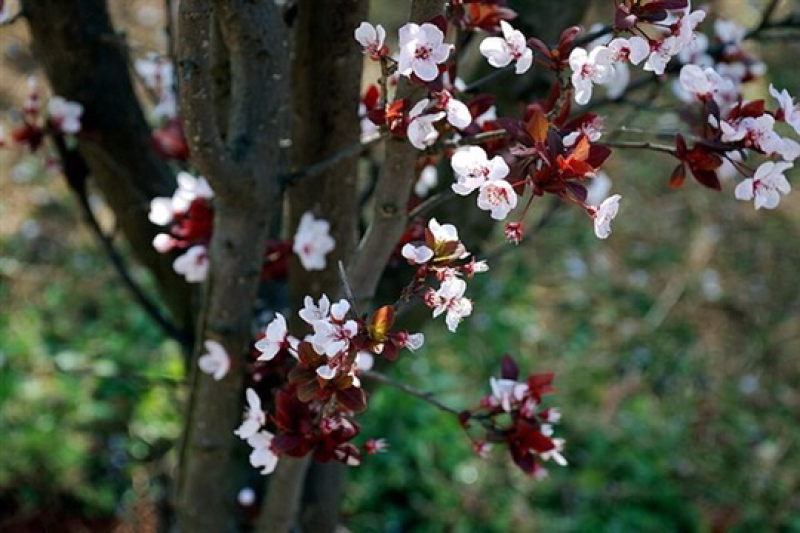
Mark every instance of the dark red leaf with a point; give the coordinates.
(678, 176)
(353, 399)
(598, 154)
(509, 368)
(516, 129)
(707, 178)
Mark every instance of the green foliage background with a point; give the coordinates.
(675, 345)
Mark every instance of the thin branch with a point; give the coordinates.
(425, 396)
(766, 16)
(348, 291)
(642, 145)
(75, 173)
(146, 303)
(315, 169)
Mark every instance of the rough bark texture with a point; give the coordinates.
(326, 79)
(86, 61)
(243, 169)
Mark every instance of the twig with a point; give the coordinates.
(765, 16)
(642, 145)
(431, 202)
(425, 396)
(348, 290)
(75, 175)
(484, 136)
(287, 180)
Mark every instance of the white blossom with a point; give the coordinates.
(274, 338)
(789, 110)
(311, 312)
(634, 49)
(422, 48)
(326, 371)
(371, 38)
(555, 453)
(472, 168)
(254, 416)
(501, 51)
(262, 455)
(215, 361)
(449, 298)
(604, 214)
(498, 197)
(421, 131)
(428, 179)
(589, 68)
(766, 185)
(661, 53)
(729, 32)
(312, 242)
(193, 264)
(458, 114)
(757, 130)
(506, 391)
(704, 83)
(66, 115)
(417, 254)
(330, 338)
(597, 189)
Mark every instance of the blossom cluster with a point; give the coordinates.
(515, 415)
(314, 410)
(33, 124)
(188, 217)
(441, 255)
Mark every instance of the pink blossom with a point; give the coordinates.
(507, 391)
(634, 49)
(704, 83)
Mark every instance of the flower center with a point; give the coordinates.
(423, 52)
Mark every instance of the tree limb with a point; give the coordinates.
(243, 170)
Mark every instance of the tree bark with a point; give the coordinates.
(326, 80)
(86, 61)
(243, 168)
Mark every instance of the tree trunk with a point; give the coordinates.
(326, 80)
(243, 168)
(86, 61)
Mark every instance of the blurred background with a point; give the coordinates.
(675, 343)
